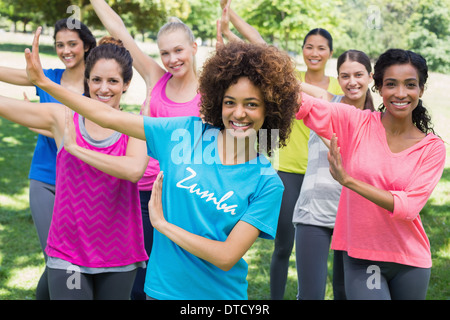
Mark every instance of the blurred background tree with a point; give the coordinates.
(430, 33)
(371, 26)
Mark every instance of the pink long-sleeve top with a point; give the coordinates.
(363, 229)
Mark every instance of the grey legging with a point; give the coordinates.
(312, 245)
(378, 280)
(42, 199)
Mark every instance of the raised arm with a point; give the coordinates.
(128, 167)
(246, 30)
(14, 76)
(223, 26)
(96, 111)
(147, 67)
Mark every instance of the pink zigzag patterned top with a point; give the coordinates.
(97, 219)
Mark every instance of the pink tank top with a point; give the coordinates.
(162, 106)
(97, 220)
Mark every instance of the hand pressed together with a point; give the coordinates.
(155, 204)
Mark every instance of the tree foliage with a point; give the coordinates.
(202, 18)
(430, 33)
(140, 16)
(372, 26)
(286, 22)
(21, 11)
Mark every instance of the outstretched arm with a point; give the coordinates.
(148, 68)
(43, 132)
(246, 30)
(223, 254)
(320, 93)
(315, 91)
(14, 76)
(96, 111)
(46, 117)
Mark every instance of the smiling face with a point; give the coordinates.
(316, 52)
(354, 80)
(177, 52)
(69, 48)
(243, 109)
(106, 82)
(400, 89)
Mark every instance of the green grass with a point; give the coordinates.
(21, 260)
(436, 219)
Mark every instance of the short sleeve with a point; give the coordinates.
(264, 209)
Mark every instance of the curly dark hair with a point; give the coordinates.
(420, 116)
(268, 68)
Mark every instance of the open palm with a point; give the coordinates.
(34, 68)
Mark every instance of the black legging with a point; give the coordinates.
(284, 239)
(137, 293)
(101, 286)
(378, 280)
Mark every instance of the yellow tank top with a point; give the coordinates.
(293, 157)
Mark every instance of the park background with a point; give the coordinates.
(371, 26)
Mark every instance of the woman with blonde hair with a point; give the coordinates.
(171, 92)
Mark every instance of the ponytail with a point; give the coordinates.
(421, 118)
(368, 103)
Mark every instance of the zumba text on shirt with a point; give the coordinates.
(208, 196)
